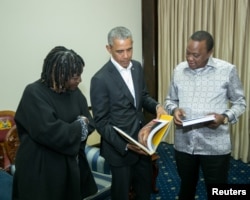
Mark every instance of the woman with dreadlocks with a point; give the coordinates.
(53, 123)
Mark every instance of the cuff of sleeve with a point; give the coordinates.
(229, 116)
(157, 106)
(172, 110)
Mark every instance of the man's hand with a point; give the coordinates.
(136, 149)
(160, 111)
(219, 119)
(179, 114)
(143, 134)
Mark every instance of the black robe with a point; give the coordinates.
(50, 162)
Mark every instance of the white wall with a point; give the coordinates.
(31, 28)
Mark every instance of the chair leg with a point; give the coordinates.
(154, 178)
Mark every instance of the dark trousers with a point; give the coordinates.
(138, 176)
(215, 170)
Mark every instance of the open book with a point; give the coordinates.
(206, 118)
(158, 132)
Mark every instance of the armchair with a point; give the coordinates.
(99, 167)
(101, 172)
(6, 123)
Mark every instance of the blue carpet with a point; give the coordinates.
(168, 180)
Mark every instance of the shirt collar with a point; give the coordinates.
(119, 67)
(210, 64)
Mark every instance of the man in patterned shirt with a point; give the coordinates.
(203, 85)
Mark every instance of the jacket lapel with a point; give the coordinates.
(118, 80)
(135, 77)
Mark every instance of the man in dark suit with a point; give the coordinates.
(118, 96)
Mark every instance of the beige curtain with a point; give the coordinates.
(229, 22)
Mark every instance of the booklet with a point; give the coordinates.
(159, 129)
(206, 118)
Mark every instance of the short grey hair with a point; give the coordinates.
(119, 32)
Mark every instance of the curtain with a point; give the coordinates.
(229, 23)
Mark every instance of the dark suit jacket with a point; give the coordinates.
(113, 104)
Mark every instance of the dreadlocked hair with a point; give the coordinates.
(59, 66)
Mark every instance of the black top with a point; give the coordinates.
(50, 140)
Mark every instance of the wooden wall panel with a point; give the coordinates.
(150, 47)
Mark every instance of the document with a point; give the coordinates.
(206, 118)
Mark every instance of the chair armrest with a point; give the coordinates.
(96, 161)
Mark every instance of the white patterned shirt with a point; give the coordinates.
(200, 92)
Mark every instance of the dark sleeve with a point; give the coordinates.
(148, 102)
(100, 100)
(85, 112)
(37, 120)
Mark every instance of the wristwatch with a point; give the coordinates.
(225, 121)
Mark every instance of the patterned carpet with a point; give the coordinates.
(168, 180)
